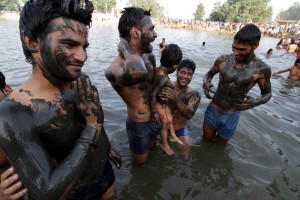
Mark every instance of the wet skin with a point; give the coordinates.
(185, 99)
(131, 73)
(239, 72)
(43, 119)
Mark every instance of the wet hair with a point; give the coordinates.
(188, 64)
(37, 14)
(297, 61)
(2, 81)
(161, 45)
(171, 55)
(280, 42)
(249, 34)
(131, 17)
(270, 50)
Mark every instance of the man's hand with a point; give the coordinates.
(10, 184)
(170, 93)
(88, 104)
(248, 103)
(207, 88)
(115, 158)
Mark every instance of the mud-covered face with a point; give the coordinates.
(242, 51)
(184, 76)
(148, 35)
(63, 50)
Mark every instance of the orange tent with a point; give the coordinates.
(285, 21)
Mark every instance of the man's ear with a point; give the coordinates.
(31, 45)
(135, 32)
(254, 46)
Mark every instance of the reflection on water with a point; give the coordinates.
(260, 162)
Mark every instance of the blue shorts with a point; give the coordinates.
(97, 187)
(182, 132)
(224, 123)
(139, 134)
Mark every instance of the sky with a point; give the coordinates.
(184, 9)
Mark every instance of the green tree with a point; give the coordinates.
(156, 10)
(243, 11)
(103, 6)
(216, 14)
(293, 13)
(200, 12)
(12, 5)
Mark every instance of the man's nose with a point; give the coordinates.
(80, 55)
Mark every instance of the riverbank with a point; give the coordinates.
(267, 30)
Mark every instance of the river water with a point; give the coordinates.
(261, 161)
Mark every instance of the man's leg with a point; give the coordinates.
(209, 132)
(110, 192)
(139, 159)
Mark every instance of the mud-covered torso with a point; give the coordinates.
(57, 125)
(235, 82)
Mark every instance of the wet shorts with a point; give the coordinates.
(140, 133)
(97, 187)
(224, 123)
(182, 132)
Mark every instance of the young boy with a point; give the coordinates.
(170, 58)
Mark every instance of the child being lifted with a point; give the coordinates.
(170, 58)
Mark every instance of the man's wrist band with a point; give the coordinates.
(90, 142)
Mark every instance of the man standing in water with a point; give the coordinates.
(51, 127)
(131, 74)
(239, 72)
(185, 99)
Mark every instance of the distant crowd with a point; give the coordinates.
(273, 29)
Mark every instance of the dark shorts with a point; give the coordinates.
(97, 187)
(224, 123)
(182, 132)
(140, 133)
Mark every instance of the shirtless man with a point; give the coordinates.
(131, 74)
(294, 71)
(51, 127)
(239, 72)
(293, 47)
(185, 99)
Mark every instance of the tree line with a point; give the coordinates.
(256, 11)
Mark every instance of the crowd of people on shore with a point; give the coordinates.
(51, 126)
(273, 29)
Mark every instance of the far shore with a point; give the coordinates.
(109, 18)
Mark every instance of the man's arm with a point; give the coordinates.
(19, 140)
(209, 76)
(264, 84)
(187, 104)
(282, 71)
(134, 70)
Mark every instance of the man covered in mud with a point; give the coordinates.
(185, 99)
(239, 72)
(51, 126)
(131, 74)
